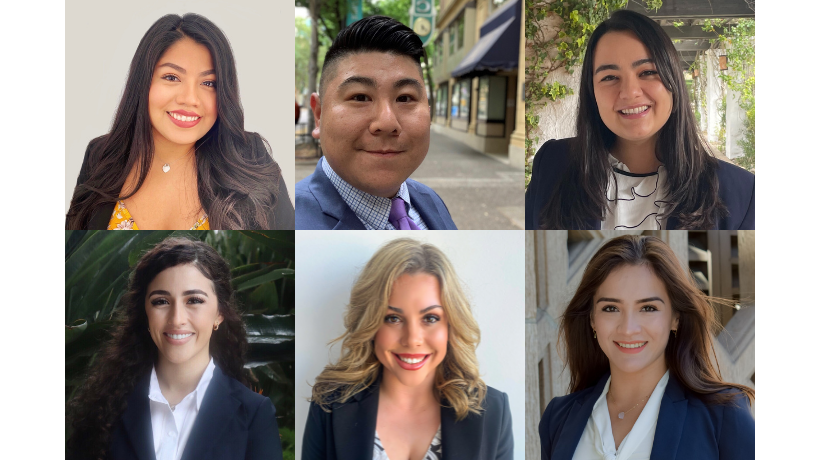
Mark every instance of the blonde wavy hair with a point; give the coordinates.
(457, 381)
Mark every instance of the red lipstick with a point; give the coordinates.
(632, 351)
(184, 123)
(408, 366)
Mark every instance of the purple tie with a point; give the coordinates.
(398, 216)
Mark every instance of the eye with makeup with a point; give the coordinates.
(196, 300)
(649, 308)
(170, 77)
(210, 84)
(159, 301)
(609, 309)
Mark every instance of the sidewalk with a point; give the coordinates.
(481, 192)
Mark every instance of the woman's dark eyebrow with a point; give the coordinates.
(637, 63)
(399, 310)
(608, 299)
(188, 292)
(651, 299)
(183, 71)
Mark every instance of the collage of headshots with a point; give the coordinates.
(597, 301)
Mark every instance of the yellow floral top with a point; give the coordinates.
(121, 220)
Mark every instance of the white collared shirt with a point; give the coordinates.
(597, 442)
(172, 428)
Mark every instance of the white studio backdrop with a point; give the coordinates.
(101, 38)
(490, 265)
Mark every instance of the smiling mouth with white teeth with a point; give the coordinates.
(635, 111)
(631, 345)
(183, 117)
(179, 336)
(411, 360)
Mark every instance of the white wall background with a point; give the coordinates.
(102, 36)
(490, 265)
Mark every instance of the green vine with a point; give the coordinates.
(551, 50)
(739, 41)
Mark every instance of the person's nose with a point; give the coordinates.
(187, 95)
(630, 87)
(413, 335)
(179, 316)
(385, 119)
(629, 324)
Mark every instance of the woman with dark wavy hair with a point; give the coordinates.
(638, 161)
(178, 155)
(169, 382)
(638, 341)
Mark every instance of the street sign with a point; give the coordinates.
(423, 19)
(354, 11)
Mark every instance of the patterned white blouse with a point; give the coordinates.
(636, 200)
(433, 452)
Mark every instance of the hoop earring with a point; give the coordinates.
(216, 326)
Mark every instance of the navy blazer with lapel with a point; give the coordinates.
(687, 427)
(736, 190)
(233, 423)
(349, 430)
(320, 207)
(280, 217)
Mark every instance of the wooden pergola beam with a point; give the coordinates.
(696, 9)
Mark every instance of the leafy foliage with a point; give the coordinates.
(97, 265)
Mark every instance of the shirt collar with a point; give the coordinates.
(155, 393)
(373, 211)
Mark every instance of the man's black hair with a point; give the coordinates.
(374, 33)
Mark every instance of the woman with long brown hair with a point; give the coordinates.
(169, 383)
(638, 341)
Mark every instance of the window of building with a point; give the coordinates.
(441, 101)
(492, 98)
(452, 36)
(460, 25)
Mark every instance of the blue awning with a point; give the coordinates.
(497, 48)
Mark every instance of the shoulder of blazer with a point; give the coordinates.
(548, 165)
(85, 169)
(494, 401)
(737, 191)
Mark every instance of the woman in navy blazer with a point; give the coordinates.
(637, 324)
(635, 132)
(407, 384)
(178, 316)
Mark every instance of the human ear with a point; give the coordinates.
(316, 106)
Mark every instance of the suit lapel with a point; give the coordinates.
(137, 421)
(461, 439)
(217, 410)
(671, 419)
(331, 202)
(354, 425)
(426, 206)
(570, 434)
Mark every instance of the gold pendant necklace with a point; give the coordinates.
(622, 414)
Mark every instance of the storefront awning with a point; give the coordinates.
(497, 48)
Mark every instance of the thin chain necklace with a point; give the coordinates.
(621, 415)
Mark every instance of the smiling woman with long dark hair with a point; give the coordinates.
(177, 155)
(638, 161)
(643, 384)
(169, 381)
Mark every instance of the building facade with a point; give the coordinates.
(479, 50)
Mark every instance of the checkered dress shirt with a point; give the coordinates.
(373, 211)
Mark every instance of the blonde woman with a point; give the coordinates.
(407, 384)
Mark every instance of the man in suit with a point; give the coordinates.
(373, 119)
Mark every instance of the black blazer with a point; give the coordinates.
(349, 430)
(737, 190)
(687, 427)
(233, 423)
(280, 217)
